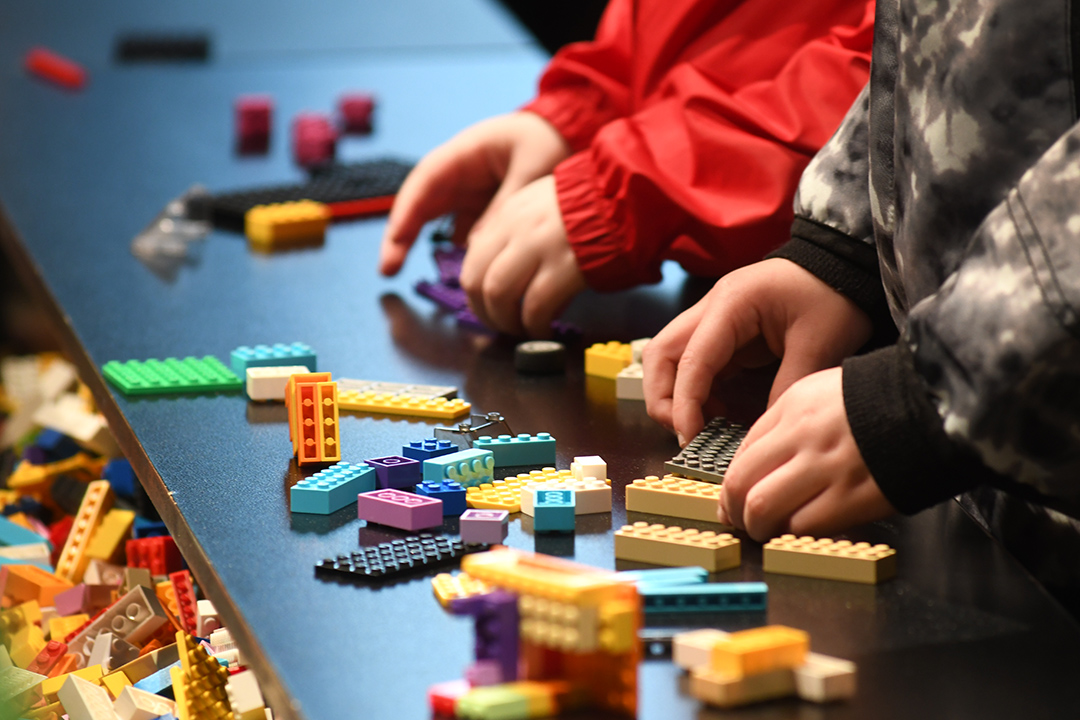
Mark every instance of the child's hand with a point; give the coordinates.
(799, 469)
(768, 310)
(520, 271)
(470, 174)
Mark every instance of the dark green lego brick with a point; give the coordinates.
(169, 376)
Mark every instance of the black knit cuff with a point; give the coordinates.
(900, 434)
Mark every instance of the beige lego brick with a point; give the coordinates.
(675, 497)
(83, 700)
(245, 697)
(591, 496)
(589, 466)
(830, 559)
(724, 691)
(676, 547)
(607, 359)
(629, 383)
(824, 679)
(760, 650)
(693, 649)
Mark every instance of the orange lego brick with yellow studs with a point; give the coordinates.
(608, 359)
(506, 494)
(449, 587)
(546, 577)
(284, 223)
(676, 547)
(760, 650)
(829, 559)
(390, 404)
(674, 497)
(95, 503)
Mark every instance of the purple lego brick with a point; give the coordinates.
(399, 509)
(466, 319)
(484, 526)
(448, 298)
(394, 471)
(448, 260)
(497, 628)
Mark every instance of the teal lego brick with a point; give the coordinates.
(13, 534)
(159, 377)
(467, 467)
(329, 490)
(297, 353)
(553, 511)
(666, 576)
(509, 451)
(704, 597)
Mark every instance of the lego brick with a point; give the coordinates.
(382, 403)
(186, 603)
(253, 122)
(133, 618)
(115, 683)
(494, 702)
(20, 583)
(294, 403)
(449, 587)
(427, 449)
(135, 704)
(203, 680)
(99, 572)
(674, 546)
(674, 497)
(18, 617)
(497, 622)
(277, 355)
(107, 540)
(443, 696)
(591, 496)
(484, 526)
(725, 691)
(607, 359)
(160, 681)
(355, 111)
(449, 298)
(390, 560)
(26, 645)
(629, 383)
(553, 511)
(314, 139)
(589, 466)
(96, 502)
(693, 649)
(708, 455)
(547, 577)
(268, 383)
(281, 224)
(149, 663)
(159, 555)
(208, 619)
(428, 392)
(83, 598)
(704, 597)
(17, 690)
(505, 494)
(55, 68)
(121, 477)
(394, 471)
(245, 697)
(524, 449)
(823, 679)
(149, 528)
(51, 687)
(158, 377)
(48, 657)
(448, 259)
(14, 535)
(70, 415)
(760, 650)
(637, 349)
(61, 627)
(134, 577)
(162, 47)
(665, 576)
(450, 492)
(829, 559)
(540, 357)
(399, 509)
(317, 422)
(557, 625)
(467, 467)
(330, 490)
(84, 700)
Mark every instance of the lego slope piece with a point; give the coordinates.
(389, 560)
(399, 509)
(521, 450)
(386, 404)
(466, 467)
(329, 490)
(607, 359)
(675, 547)
(270, 226)
(157, 377)
(829, 559)
(674, 497)
(704, 597)
(277, 355)
(268, 383)
(708, 455)
(83, 700)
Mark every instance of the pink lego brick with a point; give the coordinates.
(253, 122)
(314, 139)
(355, 110)
(399, 509)
(484, 526)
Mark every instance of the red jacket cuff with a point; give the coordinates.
(572, 112)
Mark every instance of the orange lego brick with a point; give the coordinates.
(676, 547)
(267, 226)
(760, 650)
(293, 407)
(313, 412)
(107, 540)
(608, 359)
(49, 656)
(21, 583)
(829, 559)
(28, 477)
(674, 497)
(449, 587)
(693, 649)
(388, 404)
(96, 502)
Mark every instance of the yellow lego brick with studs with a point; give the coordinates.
(390, 404)
(829, 559)
(282, 223)
(676, 547)
(506, 494)
(608, 359)
(674, 497)
(449, 587)
(760, 650)
(545, 577)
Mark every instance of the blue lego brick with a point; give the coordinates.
(245, 357)
(12, 534)
(149, 528)
(160, 683)
(536, 449)
(121, 477)
(468, 467)
(704, 597)
(55, 445)
(331, 489)
(666, 576)
(450, 492)
(426, 449)
(554, 511)
(394, 471)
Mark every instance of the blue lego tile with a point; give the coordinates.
(704, 597)
(426, 449)
(450, 492)
(520, 450)
(329, 490)
(245, 357)
(666, 576)
(160, 683)
(121, 477)
(12, 534)
(149, 528)
(394, 471)
(554, 511)
(468, 467)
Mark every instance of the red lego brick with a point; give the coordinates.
(186, 602)
(442, 696)
(54, 68)
(355, 110)
(254, 120)
(58, 534)
(314, 139)
(48, 657)
(159, 555)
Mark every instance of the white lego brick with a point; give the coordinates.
(101, 651)
(34, 552)
(68, 414)
(245, 698)
(587, 466)
(268, 383)
(637, 347)
(208, 618)
(693, 649)
(221, 640)
(58, 376)
(83, 700)
(136, 704)
(629, 383)
(824, 679)
(19, 375)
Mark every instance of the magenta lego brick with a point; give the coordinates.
(399, 509)
(394, 471)
(355, 111)
(484, 526)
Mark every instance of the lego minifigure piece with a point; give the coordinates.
(394, 471)
(397, 558)
(449, 587)
(760, 650)
(484, 526)
(707, 456)
(108, 538)
(277, 355)
(84, 700)
(607, 359)
(586, 466)
(135, 704)
(254, 115)
(540, 357)
(382, 403)
(314, 139)
(629, 383)
(245, 697)
(637, 349)
(467, 467)
(355, 110)
(823, 679)
(55, 68)
(158, 377)
(829, 559)
(427, 449)
(268, 383)
(693, 649)
(674, 497)
(450, 492)
(704, 597)
(524, 449)
(159, 555)
(554, 511)
(282, 224)
(674, 547)
(399, 509)
(427, 392)
(186, 604)
(96, 502)
(330, 490)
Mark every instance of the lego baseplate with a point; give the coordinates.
(389, 560)
(708, 455)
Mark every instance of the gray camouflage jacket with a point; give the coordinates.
(948, 205)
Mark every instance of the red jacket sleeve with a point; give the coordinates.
(728, 102)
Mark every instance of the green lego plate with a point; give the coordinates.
(170, 376)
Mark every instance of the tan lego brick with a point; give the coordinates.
(674, 497)
(824, 679)
(830, 559)
(693, 649)
(676, 547)
(725, 691)
(760, 650)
